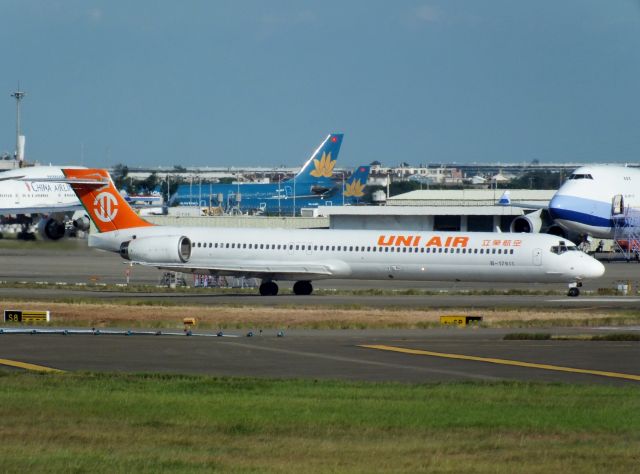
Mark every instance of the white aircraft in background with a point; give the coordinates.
(25, 192)
(588, 203)
(304, 255)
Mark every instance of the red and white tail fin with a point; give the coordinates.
(102, 201)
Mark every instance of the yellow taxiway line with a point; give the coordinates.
(27, 366)
(492, 360)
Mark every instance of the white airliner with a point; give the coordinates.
(306, 255)
(588, 203)
(31, 190)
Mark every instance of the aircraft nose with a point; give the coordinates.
(592, 268)
(598, 268)
(557, 206)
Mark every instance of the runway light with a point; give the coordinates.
(250, 334)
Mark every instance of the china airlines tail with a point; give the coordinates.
(106, 207)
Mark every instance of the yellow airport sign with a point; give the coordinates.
(20, 316)
(460, 320)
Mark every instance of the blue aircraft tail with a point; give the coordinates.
(354, 186)
(320, 166)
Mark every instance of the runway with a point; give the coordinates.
(350, 355)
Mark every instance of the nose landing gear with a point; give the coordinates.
(574, 289)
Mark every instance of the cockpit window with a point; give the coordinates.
(580, 176)
(562, 247)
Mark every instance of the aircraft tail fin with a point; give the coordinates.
(505, 199)
(322, 161)
(105, 205)
(354, 186)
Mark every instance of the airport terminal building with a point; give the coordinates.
(474, 210)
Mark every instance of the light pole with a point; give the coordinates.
(18, 95)
(279, 193)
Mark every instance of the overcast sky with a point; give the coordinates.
(229, 83)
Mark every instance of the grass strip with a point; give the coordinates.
(622, 337)
(151, 423)
(538, 336)
(154, 314)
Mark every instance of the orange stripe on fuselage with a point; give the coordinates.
(106, 207)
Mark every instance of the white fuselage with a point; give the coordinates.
(363, 254)
(587, 201)
(21, 193)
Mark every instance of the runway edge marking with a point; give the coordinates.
(491, 360)
(27, 366)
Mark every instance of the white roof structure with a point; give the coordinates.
(469, 197)
(326, 211)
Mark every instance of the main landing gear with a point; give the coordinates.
(302, 288)
(574, 289)
(270, 288)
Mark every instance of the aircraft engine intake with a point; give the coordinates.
(164, 249)
(83, 223)
(51, 229)
(529, 224)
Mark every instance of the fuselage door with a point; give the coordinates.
(537, 257)
(617, 205)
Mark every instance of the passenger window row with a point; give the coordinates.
(351, 248)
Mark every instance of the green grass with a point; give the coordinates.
(154, 423)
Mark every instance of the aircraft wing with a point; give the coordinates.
(273, 270)
(505, 200)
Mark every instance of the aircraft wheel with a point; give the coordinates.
(573, 292)
(268, 288)
(302, 288)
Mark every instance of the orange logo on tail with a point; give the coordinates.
(105, 206)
